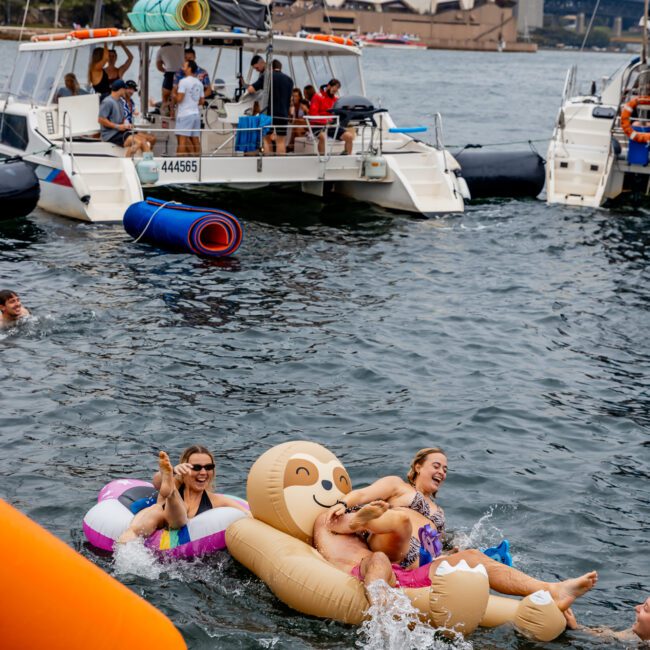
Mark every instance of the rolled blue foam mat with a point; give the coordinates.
(203, 231)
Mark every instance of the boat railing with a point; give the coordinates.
(570, 83)
(229, 141)
(66, 137)
(437, 121)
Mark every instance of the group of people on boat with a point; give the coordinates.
(186, 87)
(372, 533)
(294, 114)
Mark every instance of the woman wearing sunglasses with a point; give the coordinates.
(184, 491)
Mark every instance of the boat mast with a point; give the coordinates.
(644, 51)
(97, 14)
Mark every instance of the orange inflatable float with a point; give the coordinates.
(54, 598)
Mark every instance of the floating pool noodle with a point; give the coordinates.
(56, 599)
(202, 231)
(169, 15)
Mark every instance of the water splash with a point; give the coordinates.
(393, 623)
(483, 533)
(136, 559)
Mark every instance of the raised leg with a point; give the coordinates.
(175, 510)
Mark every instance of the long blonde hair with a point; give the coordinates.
(199, 449)
(418, 459)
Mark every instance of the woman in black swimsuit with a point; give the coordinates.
(97, 76)
(184, 492)
(416, 498)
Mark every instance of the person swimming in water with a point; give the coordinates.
(640, 630)
(11, 309)
(415, 501)
(184, 491)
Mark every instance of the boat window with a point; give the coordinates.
(50, 68)
(21, 66)
(227, 69)
(321, 70)
(13, 131)
(347, 71)
(28, 83)
(299, 71)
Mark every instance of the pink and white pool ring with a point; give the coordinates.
(111, 516)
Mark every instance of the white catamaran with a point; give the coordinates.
(599, 148)
(85, 178)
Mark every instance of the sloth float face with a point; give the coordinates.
(291, 484)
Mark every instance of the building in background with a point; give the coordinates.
(443, 24)
(530, 15)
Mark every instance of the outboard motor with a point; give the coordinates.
(355, 109)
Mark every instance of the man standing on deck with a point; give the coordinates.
(11, 309)
(169, 59)
(188, 97)
(282, 86)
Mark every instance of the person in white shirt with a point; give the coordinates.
(169, 59)
(188, 97)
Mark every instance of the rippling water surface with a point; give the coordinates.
(515, 336)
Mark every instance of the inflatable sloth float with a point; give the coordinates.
(288, 487)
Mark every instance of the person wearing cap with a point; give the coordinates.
(128, 107)
(114, 128)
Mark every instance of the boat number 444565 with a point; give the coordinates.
(179, 166)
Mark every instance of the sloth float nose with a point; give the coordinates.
(326, 484)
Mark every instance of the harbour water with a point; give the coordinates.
(515, 336)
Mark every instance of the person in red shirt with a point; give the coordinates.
(321, 104)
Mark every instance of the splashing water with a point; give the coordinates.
(393, 623)
(136, 559)
(483, 533)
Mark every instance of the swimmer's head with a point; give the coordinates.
(202, 478)
(292, 483)
(428, 469)
(10, 306)
(641, 626)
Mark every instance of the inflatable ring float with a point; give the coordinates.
(626, 119)
(80, 34)
(288, 487)
(120, 500)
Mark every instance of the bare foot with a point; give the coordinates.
(369, 512)
(564, 593)
(127, 536)
(167, 485)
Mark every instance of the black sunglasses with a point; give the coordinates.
(208, 468)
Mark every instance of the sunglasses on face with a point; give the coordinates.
(208, 468)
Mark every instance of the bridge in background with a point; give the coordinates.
(630, 11)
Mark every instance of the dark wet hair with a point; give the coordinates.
(256, 59)
(192, 66)
(7, 294)
(418, 459)
(190, 50)
(276, 65)
(333, 82)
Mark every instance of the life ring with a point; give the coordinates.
(288, 487)
(626, 119)
(119, 500)
(80, 34)
(104, 32)
(330, 38)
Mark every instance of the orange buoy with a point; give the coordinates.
(54, 598)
